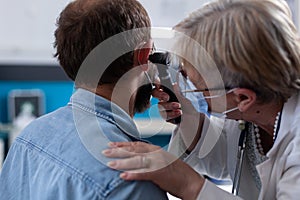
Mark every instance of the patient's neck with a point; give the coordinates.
(119, 96)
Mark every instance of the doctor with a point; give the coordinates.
(255, 47)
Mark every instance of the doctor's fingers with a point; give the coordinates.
(163, 106)
(122, 152)
(136, 147)
(169, 110)
(142, 163)
(160, 95)
(138, 163)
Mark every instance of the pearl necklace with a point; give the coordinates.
(257, 135)
(276, 123)
(258, 140)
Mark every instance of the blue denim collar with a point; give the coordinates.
(103, 108)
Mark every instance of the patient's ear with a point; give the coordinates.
(141, 55)
(245, 98)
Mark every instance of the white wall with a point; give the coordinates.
(167, 13)
(27, 26)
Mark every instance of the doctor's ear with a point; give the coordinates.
(245, 98)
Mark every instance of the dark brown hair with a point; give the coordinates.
(84, 24)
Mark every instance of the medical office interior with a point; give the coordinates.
(33, 84)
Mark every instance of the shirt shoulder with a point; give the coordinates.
(55, 161)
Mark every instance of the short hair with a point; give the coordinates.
(253, 43)
(84, 24)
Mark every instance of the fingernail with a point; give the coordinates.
(166, 97)
(111, 144)
(123, 175)
(106, 152)
(111, 164)
(175, 105)
(178, 112)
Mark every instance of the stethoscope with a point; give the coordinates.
(240, 156)
(239, 162)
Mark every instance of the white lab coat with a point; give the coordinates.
(215, 155)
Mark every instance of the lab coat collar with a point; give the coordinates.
(289, 111)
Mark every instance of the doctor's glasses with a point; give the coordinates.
(187, 86)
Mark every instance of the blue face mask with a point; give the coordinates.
(196, 98)
(198, 101)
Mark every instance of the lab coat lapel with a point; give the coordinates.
(267, 169)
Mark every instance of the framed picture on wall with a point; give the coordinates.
(21, 101)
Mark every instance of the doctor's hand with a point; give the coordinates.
(171, 110)
(168, 110)
(190, 127)
(142, 161)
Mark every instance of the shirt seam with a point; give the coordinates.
(98, 114)
(103, 116)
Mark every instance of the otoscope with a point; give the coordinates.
(162, 61)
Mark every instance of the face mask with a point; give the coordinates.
(198, 101)
(196, 98)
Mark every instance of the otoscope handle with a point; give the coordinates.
(161, 61)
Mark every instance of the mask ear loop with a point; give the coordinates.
(230, 110)
(233, 109)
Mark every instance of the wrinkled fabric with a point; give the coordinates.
(58, 156)
(279, 170)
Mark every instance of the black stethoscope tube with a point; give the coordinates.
(239, 162)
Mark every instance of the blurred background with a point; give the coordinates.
(32, 82)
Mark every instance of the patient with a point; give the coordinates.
(58, 156)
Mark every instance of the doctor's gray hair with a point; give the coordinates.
(253, 43)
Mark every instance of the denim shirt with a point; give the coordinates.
(58, 156)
